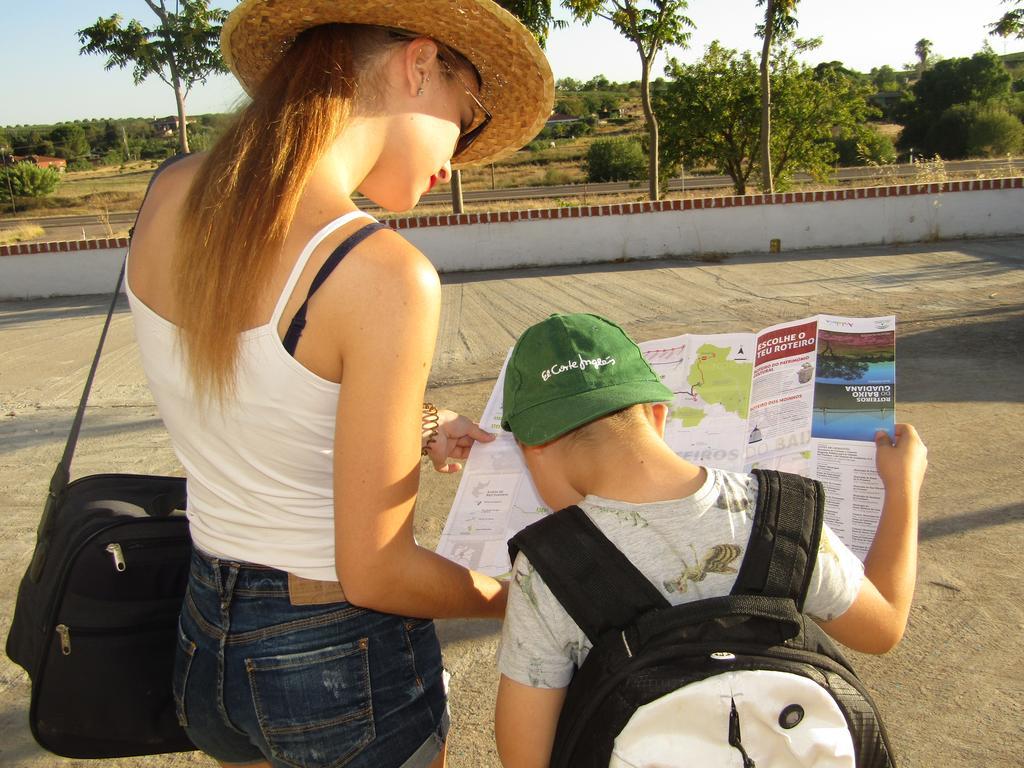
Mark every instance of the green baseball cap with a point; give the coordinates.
(569, 370)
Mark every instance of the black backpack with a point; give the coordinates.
(733, 676)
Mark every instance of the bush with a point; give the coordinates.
(995, 133)
(157, 149)
(619, 159)
(866, 147)
(80, 164)
(947, 137)
(556, 177)
(27, 180)
(113, 157)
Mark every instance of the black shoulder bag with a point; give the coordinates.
(95, 623)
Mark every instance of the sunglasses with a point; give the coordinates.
(468, 136)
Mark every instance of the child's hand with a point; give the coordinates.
(455, 436)
(901, 463)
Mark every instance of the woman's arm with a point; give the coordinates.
(387, 316)
(877, 619)
(525, 720)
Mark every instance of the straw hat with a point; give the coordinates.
(518, 87)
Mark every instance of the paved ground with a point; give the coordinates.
(952, 693)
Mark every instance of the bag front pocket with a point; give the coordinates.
(315, 708)
(106, 692)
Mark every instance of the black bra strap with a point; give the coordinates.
(291, 338)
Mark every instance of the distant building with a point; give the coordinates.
(59, 164)
(558, 118)
(168, 126)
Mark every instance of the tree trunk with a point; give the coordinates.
(457, 191)
(179, 96)
(179, 92)
(767, 183)
(652, 126)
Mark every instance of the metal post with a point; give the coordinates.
(10, 187)
(457, 191)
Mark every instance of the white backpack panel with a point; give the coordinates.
(690, 726)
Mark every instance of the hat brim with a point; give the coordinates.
(547, 421)
(518, 87)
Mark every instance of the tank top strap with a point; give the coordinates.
(300, 263)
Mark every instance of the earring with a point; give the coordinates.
(426, 79)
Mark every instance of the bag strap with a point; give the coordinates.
(593, 580)
(62, 474)
(783, 545)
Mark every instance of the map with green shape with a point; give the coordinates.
(690, 417)
(717, 379)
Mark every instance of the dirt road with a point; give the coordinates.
(952, 693)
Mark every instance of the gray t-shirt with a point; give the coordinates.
(690, 549)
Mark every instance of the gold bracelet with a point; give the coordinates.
(430, 427)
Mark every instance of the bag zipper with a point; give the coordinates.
(64, 632)
(62, 583)
(117, 549)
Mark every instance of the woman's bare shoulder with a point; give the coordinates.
(172, 184)
(155, 237)
(387, 258)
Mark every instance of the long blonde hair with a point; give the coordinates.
(244, 196)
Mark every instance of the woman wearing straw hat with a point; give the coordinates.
(287, 338)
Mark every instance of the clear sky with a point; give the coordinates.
(45, 80)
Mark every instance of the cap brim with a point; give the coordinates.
(547, 421)
(518, 87)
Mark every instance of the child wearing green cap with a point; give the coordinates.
(589, 414)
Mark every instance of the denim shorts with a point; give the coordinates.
(311, 686)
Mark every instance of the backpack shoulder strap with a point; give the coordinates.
(784, 540)
(593, 580)
(62, 473)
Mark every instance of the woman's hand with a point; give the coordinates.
(455, 436)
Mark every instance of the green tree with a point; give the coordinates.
(884, 78)
(597, 83)
(922, 49)
(711, 111)
(69, 141)
(27, 180)
(650, 26)
(779, 22)
(1011, 23)
(182, 50)
(38, 144)
(618, 159)
(978, 80)
(572, 104)
(536, 16)
(568, 84)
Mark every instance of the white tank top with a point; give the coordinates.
(260, 469)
